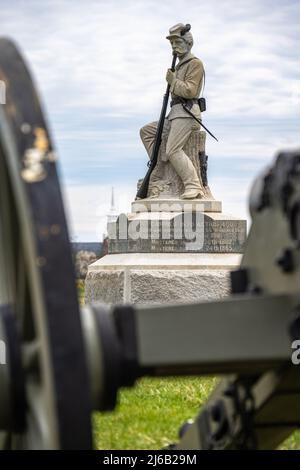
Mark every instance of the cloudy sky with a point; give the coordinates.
(100, 67)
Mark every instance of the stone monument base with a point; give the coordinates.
(162, 278)
(173, 231)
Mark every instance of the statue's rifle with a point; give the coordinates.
(143, 190)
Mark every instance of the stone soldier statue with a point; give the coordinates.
(186, 85)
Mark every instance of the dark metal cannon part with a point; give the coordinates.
(37, 278)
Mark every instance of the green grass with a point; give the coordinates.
(80, 290)
(292, 443)
(149, 415)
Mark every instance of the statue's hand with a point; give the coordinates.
(170, 76)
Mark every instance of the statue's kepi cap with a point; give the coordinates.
(179, 30)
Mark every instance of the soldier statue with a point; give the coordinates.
(185, 87)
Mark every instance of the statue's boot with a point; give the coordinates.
(191, 194)
(187, 172)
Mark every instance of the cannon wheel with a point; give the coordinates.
(48, 406)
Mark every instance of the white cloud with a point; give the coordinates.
(113, 55)
(258, 143)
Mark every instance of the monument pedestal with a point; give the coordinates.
(168, 251)
(159, 278)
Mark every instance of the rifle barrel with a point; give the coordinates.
(143, 190)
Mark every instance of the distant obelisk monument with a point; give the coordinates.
(175, 245)
(112, 215)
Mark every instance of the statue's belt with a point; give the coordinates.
(188, 103)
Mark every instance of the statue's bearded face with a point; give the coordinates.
(179, 46)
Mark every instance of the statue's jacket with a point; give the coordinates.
(189, 73)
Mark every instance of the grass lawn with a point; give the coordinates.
(149, 415)
(80, 290)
